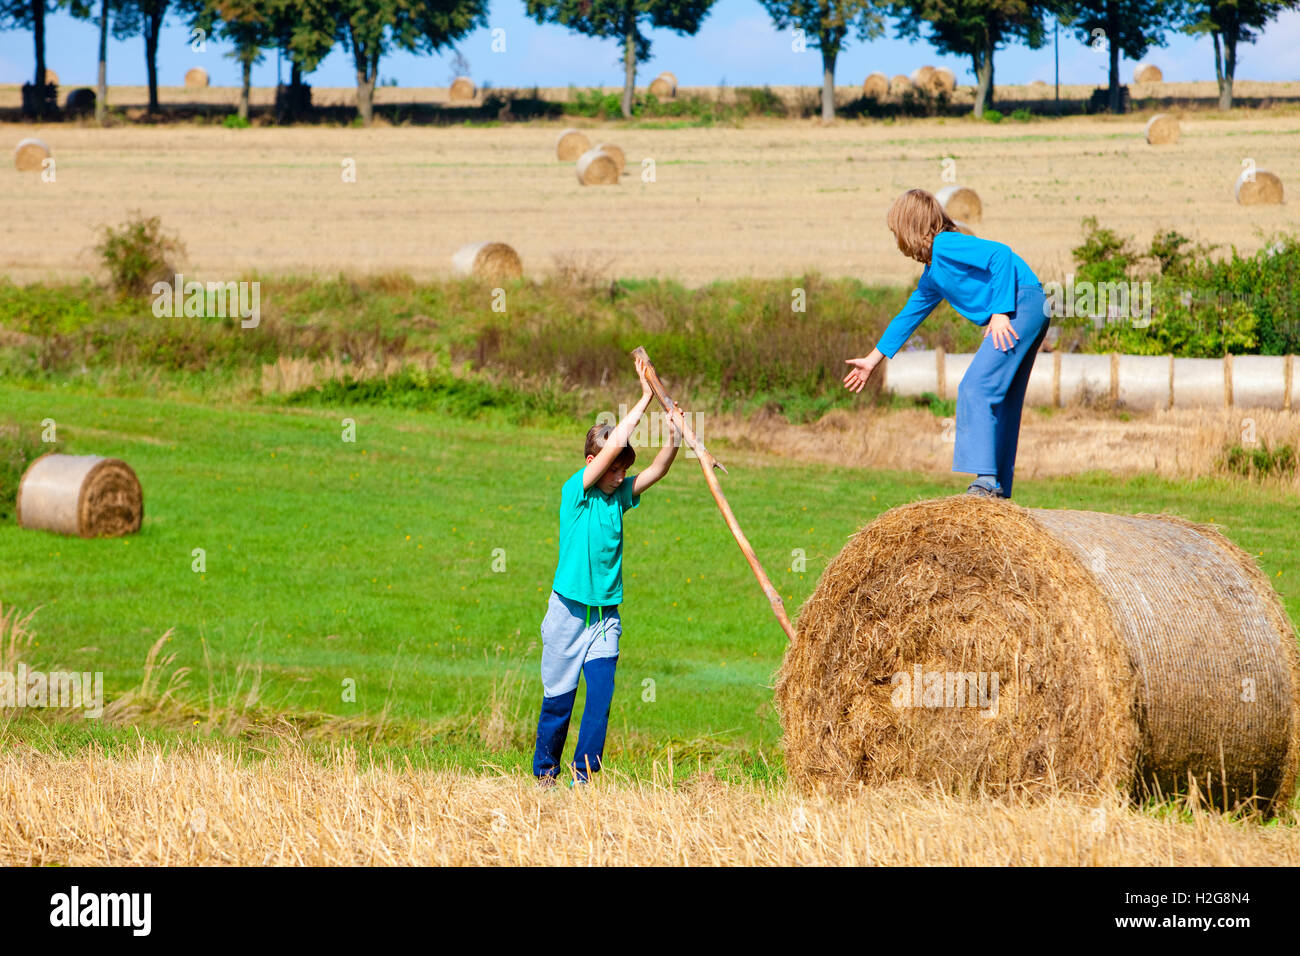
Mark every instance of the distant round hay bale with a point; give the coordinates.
(1038, 83)
(196, 78)
(614, 153)
(1162, 129)
(1265, 190)
(663, 87)
(982, 646)
(84, 495)
(462, 90)
(51, 78)
(670, 77)
(571, 144)
(961, 203)
(493, 261)
(1147, 73)
(900, 84)
(597, 168)
(945, 81)
(30, 155)
(80, 101)
(876, 86)
(923, 78)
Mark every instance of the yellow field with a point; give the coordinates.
(771, 198)
(203, 807)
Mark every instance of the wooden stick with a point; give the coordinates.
(708, 463)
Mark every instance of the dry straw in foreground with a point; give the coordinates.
(493, 261)
(197, 806)
(83, 495)
(977, 644)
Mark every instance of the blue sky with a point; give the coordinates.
(737, 45)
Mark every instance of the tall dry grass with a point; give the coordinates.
(203, 806)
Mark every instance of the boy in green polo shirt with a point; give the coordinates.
(582, 625)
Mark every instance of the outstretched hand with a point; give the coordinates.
(641, 370)
(857, 377)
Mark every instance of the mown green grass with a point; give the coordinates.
(373, 561)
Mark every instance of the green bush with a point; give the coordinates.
(1259, 462)
(1022, 115)
(137, 254)
(235, 121)
(20, 445)
(992, 116)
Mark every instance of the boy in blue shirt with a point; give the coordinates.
(582, 626)
(993, 287)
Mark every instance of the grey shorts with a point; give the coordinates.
(572, 634)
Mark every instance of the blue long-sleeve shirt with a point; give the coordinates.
(978, 277)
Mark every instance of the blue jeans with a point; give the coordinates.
(577, 639)
(991, 395)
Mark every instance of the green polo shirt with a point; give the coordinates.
(590, 568)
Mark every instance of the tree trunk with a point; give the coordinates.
(38, 36)
(629, 63)
(1112, 43)
(983, 63)
(1230, 69)
(243, 91)
(830, 51)
(295, 89)
(151, 25)
(101, 93)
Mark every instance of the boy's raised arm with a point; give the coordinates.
(664, 460)
(619, 437)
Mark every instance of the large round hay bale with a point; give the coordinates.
(670, 77)
(961, 203)
(462, 90)
(615, 154)
(83, 495)
(663, 88)
(1147, 73)
(876, 86)
(945, 81)
(196, 78)
(571, 144)
(30, 155)
(1258, 188)
(923, 79)
(80, 101)
(493, 261)
(51, 78)
(900, 85)
(597, 168)
(1162, 129)
(973, 643)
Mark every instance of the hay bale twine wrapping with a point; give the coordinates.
(597, 168)
(571, 144)
(1162, 130)
(1147, 73)
(462, 90)
(663, 86)
(961, 203)
(196, 78)
(84, 495)
(945, 81)
(493, 261)
(1265, 189)
(876, 86)
(30, 155)
(900, 85)
(80, 101)
(1129, 651)
(614, 153)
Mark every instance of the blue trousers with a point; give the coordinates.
(991, 395)
(576, 640)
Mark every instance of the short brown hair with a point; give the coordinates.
(597, 435)
(915, 219)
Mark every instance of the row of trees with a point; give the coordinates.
(305, 31)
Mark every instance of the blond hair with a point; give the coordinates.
(915, 219)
